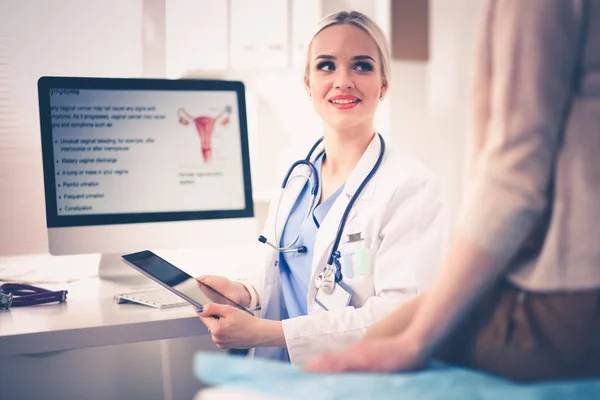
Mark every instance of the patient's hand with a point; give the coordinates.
(396, 322)
(376, 355)
(233, 290)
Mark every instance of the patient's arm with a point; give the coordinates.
(468, 272)
(410, 338)
(396, 321)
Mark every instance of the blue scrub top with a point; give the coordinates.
(295, 268)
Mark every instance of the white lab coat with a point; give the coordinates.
(404, 226)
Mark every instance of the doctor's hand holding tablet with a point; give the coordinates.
(357, 229)
(234, 329)
(234, 290)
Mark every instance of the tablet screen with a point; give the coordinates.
(176, 280)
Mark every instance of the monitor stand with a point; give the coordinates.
(113, 269)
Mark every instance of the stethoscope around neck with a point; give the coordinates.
(329, 276)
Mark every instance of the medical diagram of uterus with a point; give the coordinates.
(205, 126)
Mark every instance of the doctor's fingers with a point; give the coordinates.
(211, 323)
(218, 310)
(220, 329)
(218, 333)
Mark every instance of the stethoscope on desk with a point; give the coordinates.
(326, 279)
(17, 294)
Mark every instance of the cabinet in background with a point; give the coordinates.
(259, 34)
(305, 16)
(196, 37)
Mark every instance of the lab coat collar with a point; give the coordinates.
(362, 169)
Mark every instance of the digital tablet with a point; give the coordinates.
(182, 284)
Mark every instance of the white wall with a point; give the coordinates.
(429, 100)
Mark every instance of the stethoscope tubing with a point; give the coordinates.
(334, 254)
(338, 236)
(26, 295)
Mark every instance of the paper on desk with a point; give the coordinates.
(45, 268)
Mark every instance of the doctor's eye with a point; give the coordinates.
(326, 66)
(363, 66)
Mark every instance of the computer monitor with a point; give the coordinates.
(133, 164)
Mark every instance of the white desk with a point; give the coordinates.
(90, 318)
(29, 336)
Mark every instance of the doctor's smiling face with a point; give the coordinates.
(345, 77)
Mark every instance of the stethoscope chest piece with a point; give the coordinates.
(325, 280)
(6, 300)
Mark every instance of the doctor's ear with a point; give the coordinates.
(307, 86)
(383, 91)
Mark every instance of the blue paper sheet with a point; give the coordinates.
(440, 382)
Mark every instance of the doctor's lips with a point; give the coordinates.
(344, 102)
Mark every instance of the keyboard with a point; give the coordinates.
(157, 298)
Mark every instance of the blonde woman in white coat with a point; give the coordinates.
(519, 292)
(394, 231)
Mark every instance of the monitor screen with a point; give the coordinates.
(143, 151)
